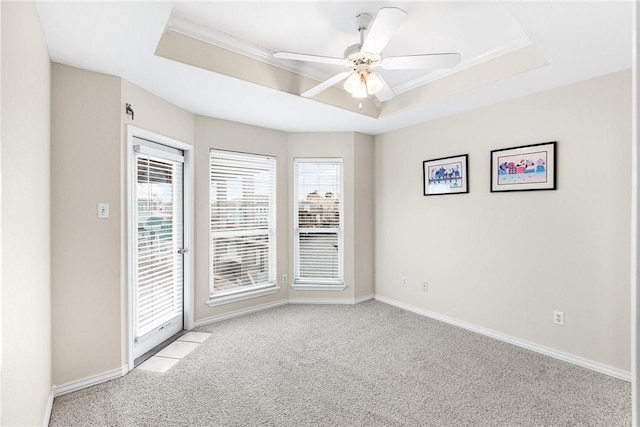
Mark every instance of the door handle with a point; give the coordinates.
(182, 251)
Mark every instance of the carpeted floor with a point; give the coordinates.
(365, 365)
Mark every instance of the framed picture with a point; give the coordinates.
(530, 167)
(445, 176)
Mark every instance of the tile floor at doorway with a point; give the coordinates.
(174, 352)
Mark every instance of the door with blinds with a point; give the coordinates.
(158, 274)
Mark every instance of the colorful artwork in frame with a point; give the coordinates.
(529, 167)
(445, 176)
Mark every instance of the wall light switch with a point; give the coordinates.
(103, 210)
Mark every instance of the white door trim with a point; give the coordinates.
(635, 228)
(188, 228)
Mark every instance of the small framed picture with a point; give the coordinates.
(525, 168)
(445, 176)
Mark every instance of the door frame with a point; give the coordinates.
(188, 230)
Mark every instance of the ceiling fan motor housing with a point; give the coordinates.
(356, 56)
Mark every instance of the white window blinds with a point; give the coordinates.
(318, 221)
(159, 266)
(243, 218)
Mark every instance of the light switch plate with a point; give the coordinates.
(103, 210)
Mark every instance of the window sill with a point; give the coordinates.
(318, 287)
(239, 296)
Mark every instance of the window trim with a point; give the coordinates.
(298, 286)
(222, 299)
(270, 287)
(318, 284)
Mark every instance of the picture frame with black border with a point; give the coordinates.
(446, 175)
(524, 168)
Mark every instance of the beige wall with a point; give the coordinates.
(26, 255)
(89, 163)
(157, 115)
(86, 274)
(224, 135)
(506, 261)
(364, 208)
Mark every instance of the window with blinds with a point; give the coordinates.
(243, 222)
(318, 221)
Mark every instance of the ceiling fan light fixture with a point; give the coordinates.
(374, 83)
(352, 81)
(356, 85)
(361, 90)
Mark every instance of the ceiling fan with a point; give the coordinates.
(362, 58)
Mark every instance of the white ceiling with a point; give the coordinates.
(475, 30)
(579, 39)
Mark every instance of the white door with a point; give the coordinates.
(158, 276)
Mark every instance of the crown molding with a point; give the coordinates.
(243, 47)
(464, 64)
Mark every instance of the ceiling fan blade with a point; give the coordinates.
(429, 61)
(310, 58)
(326, 84)
(385, 93)
(385, 24)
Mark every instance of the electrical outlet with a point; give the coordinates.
(284, 278)
(425, 286)
(558, 317)
(404, 281)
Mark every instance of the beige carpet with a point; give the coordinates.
(364, 365)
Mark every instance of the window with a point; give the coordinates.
(318, 224)
(243, 226)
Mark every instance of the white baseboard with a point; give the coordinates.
(576, 360)
(236, 313)
(364, 298)
(49, 408)
(321, 301)
(242, 312)
(90, 381)
(349, 301)
(242, 296)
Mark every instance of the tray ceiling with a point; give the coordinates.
(214, 58)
